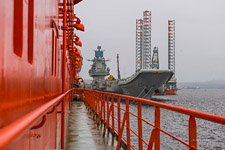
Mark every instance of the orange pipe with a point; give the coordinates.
(157, 127)
(107, 111)
(192, 133)
(101, 99)
(112, 103)
(139, 108)
(128, 122)
(118, 109)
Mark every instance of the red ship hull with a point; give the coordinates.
(31, 67)
(170, 92)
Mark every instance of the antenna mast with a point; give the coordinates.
(118, 69)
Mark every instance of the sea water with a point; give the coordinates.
(209, 135)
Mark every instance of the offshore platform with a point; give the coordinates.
(144, 60)
(171, 86)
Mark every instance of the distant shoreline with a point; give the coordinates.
(215, 84)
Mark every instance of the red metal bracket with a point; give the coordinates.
(40, 124)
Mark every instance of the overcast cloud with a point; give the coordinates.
(200, 34)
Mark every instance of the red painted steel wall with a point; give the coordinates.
(30, 65)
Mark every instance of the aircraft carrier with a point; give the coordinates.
(141, 84)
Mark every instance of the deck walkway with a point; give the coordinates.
(83, 133)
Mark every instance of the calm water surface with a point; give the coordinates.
(210, 135)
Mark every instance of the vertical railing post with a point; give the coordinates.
(139, 108)
(104, 106)
(157, 128)
(112, 104)
(118, 111)
(96, 103)
(107, 111)
(128, 123)
(192, 133)
(101, 105)
(63, 77)
(71, 98)
(95, 106)
(62, 123)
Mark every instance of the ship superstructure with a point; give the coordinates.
(98, 70)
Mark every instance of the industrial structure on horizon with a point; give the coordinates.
(155, 58)
(171, 86)
(144, 60)
(143, 42)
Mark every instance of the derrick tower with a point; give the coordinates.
(139, 34)
(171, 45)
(143, 42)
(171, 53)
(146, 40)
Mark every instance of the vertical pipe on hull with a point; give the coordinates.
(63, 77)
(64, 48)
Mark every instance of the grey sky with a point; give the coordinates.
(200, 34)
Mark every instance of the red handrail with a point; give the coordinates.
(11, 132)
(103, 104)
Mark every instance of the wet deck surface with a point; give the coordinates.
(83, 132)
